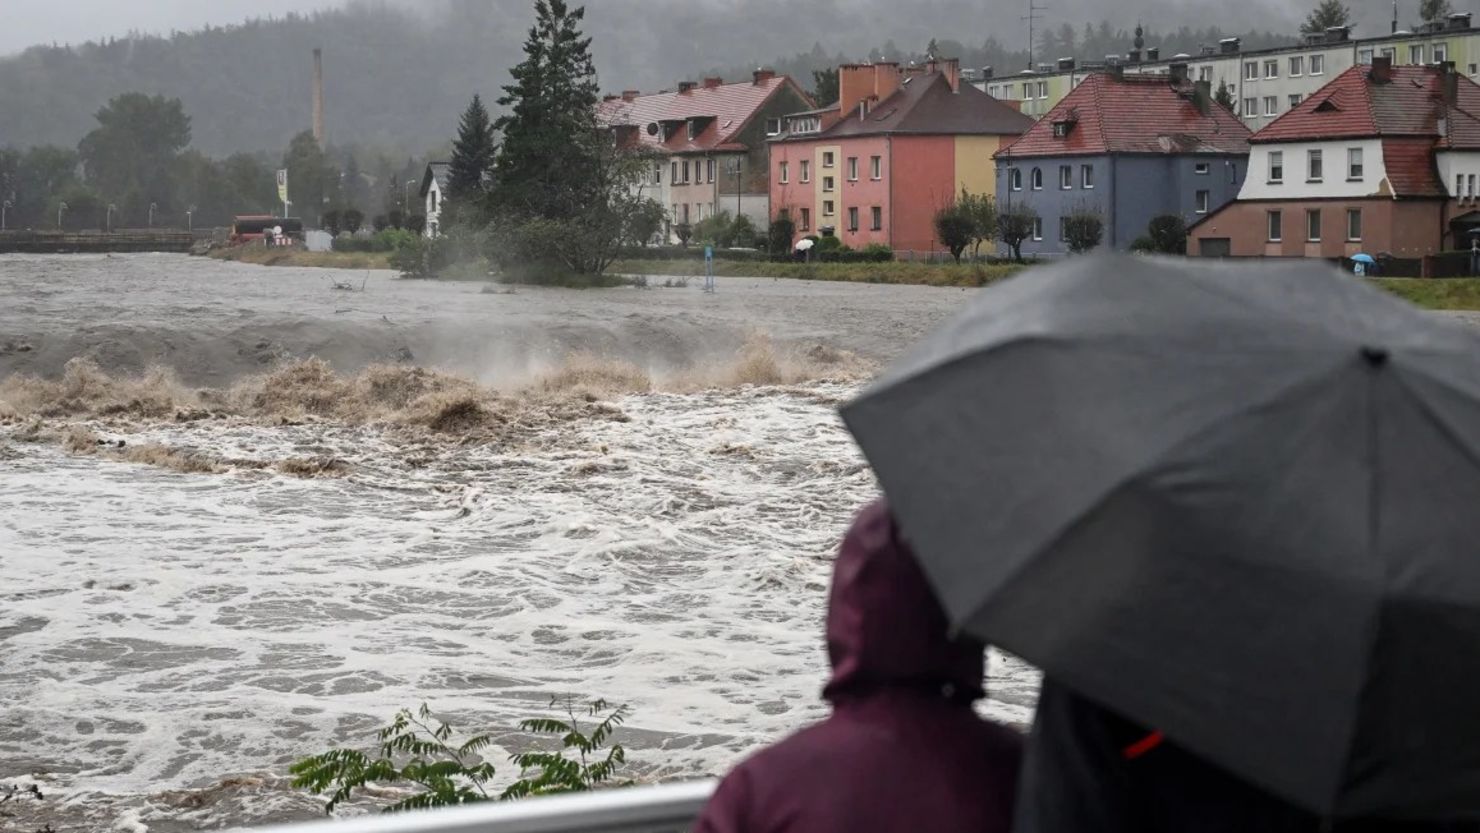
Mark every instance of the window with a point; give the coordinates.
(1205, 73)
(1364, 56)
(433, 208)
(1391, 53)
(1066, 177)
(1043, 89)
(1251, 70)
(1354, 164)
(853, 169)
(1459, 186)
(773, 127)
(1415, 54)
(1441, 53)
(1313, 225)
(1318, 65)
(674, 215)
(1297, 65)
(686, 172)
(1294, 100)
(1276, 166)
(1202, 201)
(1276, 220)
(1251, 107)
(1086, 176)
(806, 219)
(1314, 172)
(878, 218)
(674, 178)
(1037, 179)
(827, 159)
(685, 212)
(1015, 178)
(1354, 224)
(1037, 228)
(657, 173)
(711, 170)
(1232, 172)
(829, 208)
(1472, 186)
(829, 183)
(806, 170)
(1271, 105)
(853, 219)
(785, 172)
(1474, 69)
(689, 127)
(876, 167)
(1201, 169)
(1272, 69)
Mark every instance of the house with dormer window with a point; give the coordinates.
(1129, 148)
(1383, 159)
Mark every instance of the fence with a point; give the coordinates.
(670, 808)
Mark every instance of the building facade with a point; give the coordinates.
(433, 192)
(708, 142)
(1383, 160)
(1263, 84)
(1127, 148)
(900, 145)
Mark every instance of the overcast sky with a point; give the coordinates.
(24, 23)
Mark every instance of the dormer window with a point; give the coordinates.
(692, 129)
(1062, 129)
(773, 127)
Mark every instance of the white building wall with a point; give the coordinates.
(433, 210)
(1460, 173)
(1334, 183)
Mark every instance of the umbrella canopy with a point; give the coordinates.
(1238, 504)
(1359, 258)
(805, 243)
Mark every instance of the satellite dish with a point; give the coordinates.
(277, 231)
(652, 128)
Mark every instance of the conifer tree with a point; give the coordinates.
(472, 164)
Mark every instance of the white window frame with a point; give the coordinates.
(1354, 213)
(1087, 176)
(1202, 199)
(1471, 178)
(1356, 168)
(1297, 66)
(829, 158)
(829, 184)
(1251, 107)
(853, 218)
(1364, 57)
(1441, 53)
(1272, 69)
(1315, 166)
(1015, 178)
(1317, 64)
(1202, 169)
(1295, 99)
(1251, 70)
(1313, 225)
(773, 127)
(876, 168)
(1038, 228)
(853, 169)
(1035, 179)
(1043, 89)
(1274, 226)
(657, 173)
(1066, 177)
(1205, 73)
(1271, 105)
(806, 176)
(785, 172)
(1415, 54)
(1276, 164)
(829, 208)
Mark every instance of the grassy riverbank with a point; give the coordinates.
(897, 272)
(1445, 293)
(264, 256)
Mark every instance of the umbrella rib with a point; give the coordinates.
(1440, 421)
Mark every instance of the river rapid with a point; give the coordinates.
(245, 517)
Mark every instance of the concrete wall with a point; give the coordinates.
(1297, 183)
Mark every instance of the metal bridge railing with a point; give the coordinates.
(669, 808)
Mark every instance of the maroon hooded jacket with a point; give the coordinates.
(903, 749)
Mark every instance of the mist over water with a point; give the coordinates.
(643, 507)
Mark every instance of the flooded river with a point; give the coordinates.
(477, 501)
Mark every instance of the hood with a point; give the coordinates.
(884, 625)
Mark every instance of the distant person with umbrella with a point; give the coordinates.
(1363, 264)
(1230, 512)
(903, 750)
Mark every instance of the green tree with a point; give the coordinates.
(32, 179)
(1224, 95)
(932, 48)
(1326, 15)
(982, 209)
(356, 190)
(779, 235)
(1083, 230)
(130, 156)
(549, 164)
(472, 164)
(825, 85)
(1167, 234)
(1434, 11)
(954, 227)
(308, 177)
(1016, 225)
(644, 223)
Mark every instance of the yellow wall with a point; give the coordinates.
(819, 175)
(976, 171)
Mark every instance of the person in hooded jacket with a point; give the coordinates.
(1089, 770)
(903, 749)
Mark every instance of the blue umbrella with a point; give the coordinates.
(1364, 259)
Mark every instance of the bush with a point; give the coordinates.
(1015, 226)
(827, 244)
(778, 237)
(420, 750)
(684, 232)
(742, 232)
(380, 223)
(877, 253)
(332, 222)
(387, 240)
(956, 228)
(715, 231)
(416, 223)
(1083, 231)
(352, 219)
(1168, 235)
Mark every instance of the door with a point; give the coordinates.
(1215, 247)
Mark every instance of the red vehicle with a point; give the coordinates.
(249, 228)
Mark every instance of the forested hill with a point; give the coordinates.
(397, 75)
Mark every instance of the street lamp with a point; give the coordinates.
(190, 218)
(108, 226)
(61, 209)
(152, 207)
(5, 206)
(406, 201)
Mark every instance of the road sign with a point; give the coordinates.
(708, 268)
(282, 183)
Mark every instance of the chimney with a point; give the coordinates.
(1449, 83)
(1382, 70)
(686, 87)
(1117, 71)
(607, 99)
(1066, 64)
(630, 95)
(987, 73)
(318, 97)
(1459, 21)
(858, 83)
(1133, 57)
(1338, 34)
(1177, 70)
(1153, 53)
(951, 69)
(1202, 96)
(763, 76)
(1229, 46)
(711, 83)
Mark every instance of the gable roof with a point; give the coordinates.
(925, 104)
(438, 172)
(1133, 114)
(1412, 104)
(724, 110)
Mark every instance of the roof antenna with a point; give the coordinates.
(1395, 17)
(1032, 17)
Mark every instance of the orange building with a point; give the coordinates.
(899, 145)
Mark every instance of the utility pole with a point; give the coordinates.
(109, 224)
(61, 209)
(152, 207)
(5, 206)
(1033, 17)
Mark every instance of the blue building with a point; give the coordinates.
(1128, 148)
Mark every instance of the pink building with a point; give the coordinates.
(900, 145)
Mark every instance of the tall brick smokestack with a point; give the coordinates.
(318, 96)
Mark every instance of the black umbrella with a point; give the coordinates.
(1239, 504)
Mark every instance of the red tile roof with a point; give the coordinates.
(926, 105)
(1411, 104)
(1133, 114)
(725, 110)
(1411, 171)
